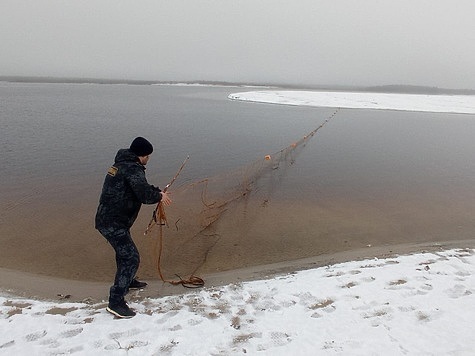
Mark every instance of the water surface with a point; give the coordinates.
(368, 177)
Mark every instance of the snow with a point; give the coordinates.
(464, 104)
(414, 304)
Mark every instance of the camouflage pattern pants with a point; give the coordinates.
(127, 260)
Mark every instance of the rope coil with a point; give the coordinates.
(159, 218)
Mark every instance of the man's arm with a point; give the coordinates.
(145, 193)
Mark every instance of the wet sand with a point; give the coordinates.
(63, 254)
(52, 288)
(49, 254)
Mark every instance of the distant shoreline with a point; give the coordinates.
(393, 88)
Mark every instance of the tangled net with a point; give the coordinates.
(194, 223)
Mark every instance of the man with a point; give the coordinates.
(124, 191)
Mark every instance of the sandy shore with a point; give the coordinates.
(51, 288)
(51, 256)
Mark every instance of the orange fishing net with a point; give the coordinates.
(213, 208)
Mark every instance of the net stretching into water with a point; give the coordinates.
(210, 209)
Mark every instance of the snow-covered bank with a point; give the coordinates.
(464, 104)
(416, 304)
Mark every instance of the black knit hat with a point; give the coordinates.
(141, 147)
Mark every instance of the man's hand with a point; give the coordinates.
(165, 198)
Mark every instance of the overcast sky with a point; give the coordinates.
(331, 42)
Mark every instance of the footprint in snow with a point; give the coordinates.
(458, 291)
(35, 336)
(70, 333)
(277, 339)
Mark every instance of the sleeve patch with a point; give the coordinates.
(112, 171)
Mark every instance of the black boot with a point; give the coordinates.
(121, 310)
(136, 284)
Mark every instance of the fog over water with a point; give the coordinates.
(308, 42)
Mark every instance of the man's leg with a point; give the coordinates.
(127, 261)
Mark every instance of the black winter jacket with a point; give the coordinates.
(124, 191)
